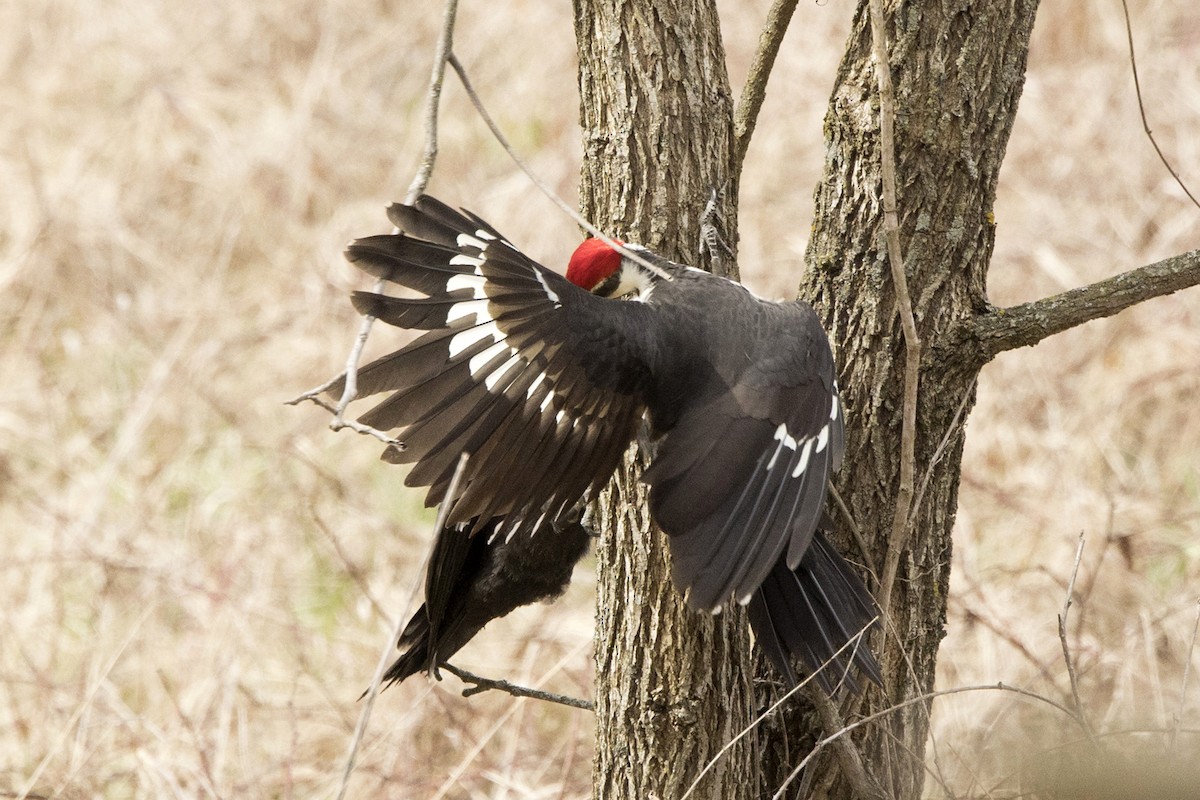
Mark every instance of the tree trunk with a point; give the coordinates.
(958, 70)
(656, 112)
(657, 116)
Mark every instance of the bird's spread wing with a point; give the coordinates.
(534, 378)
(740, 482)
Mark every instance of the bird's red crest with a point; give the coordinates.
(592, 262)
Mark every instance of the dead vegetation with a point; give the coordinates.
(198, 578)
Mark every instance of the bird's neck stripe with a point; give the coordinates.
(634, 282)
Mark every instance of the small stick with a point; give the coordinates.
(1066, 648)
(373, 691)
(912, 342)
(482, 684)
(1137, 88)
(1187, 668)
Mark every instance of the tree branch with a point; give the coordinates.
(912, 343)
(754, 91)
(980, 338)
(545, 188)
(445, 43)
(415, 189)
(481, 684)
(847, 753)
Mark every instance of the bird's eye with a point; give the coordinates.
(609, 286)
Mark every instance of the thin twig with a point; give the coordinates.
(482, 684)
(1066, 648)
(437, 76)
(855, 531)
(849, 758)
(1187, 668)
(338, 422)
(854, 642)
(940, 450)
(432, 103)
(754, 91)
(923, 698)
(386, 656)
(455, 774)
(1137, 87)
(537, 181)
(416, 188)
(912, 344)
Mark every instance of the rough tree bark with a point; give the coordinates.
(958, 70)
(657, 115)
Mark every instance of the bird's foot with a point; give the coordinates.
(712, 235)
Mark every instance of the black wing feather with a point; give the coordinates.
(810, 612)
(740, 480)
(539, 381)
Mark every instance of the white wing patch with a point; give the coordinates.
(805, 446)
(467, 240)
(549, 292)
(491, 380)
(533, 387)
(476, 309)
(822, 438)
(785, 440)
(481, 360)
(474, 282)
(804, 455)
(462, 341)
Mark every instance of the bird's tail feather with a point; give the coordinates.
(819, 613)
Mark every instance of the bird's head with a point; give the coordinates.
(603, 270)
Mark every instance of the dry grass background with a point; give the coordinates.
(198, 579)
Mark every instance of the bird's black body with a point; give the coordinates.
(543, 384)
(472, 580)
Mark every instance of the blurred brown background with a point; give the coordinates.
(199, 579)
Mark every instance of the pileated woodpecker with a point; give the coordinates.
(543, 381)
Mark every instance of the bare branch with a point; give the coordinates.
(912, 343)
(415, 189)
(980, 338)
(849, 757)
(436, 78)
(1137, 88)
(373, 690)
(855, 642)
(481, 684)
(533, 176)
(754, 91)
(338, 422)
(1080, 716)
